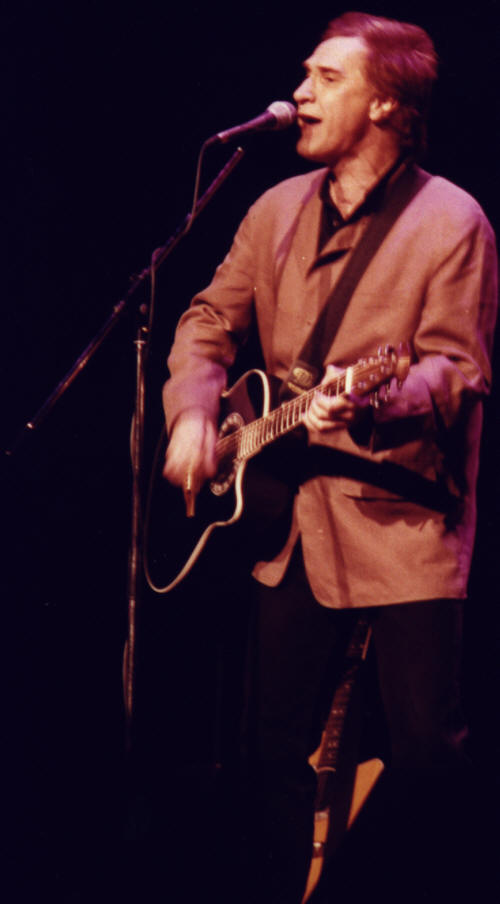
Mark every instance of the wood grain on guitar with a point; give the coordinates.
(367, 775)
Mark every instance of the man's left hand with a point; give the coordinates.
(334, 412)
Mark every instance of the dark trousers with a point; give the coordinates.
(297, 650)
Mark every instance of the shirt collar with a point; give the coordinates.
(369, 196)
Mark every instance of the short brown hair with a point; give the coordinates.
(401, 64)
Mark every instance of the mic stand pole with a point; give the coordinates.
(136, 544)
(137, 439)
(137, 448)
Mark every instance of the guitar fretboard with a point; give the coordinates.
(364, 377)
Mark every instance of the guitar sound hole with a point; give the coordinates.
(224, 478)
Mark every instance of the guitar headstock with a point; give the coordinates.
(369, 374)
(402, 362)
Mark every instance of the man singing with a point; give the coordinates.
(386, 525)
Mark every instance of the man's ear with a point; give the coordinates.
(382, 109)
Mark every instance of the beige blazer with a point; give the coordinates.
(374, 532)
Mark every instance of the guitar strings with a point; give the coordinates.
(245, 441)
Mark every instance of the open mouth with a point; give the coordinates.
(305, 120)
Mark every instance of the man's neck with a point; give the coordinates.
(354, 178)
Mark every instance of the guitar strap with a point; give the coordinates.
(304, 373)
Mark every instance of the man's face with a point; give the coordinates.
(334, 102)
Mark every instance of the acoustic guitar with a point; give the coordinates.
(178, 528)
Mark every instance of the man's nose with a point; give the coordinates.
(304, 91)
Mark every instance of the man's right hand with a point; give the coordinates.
(190, 458)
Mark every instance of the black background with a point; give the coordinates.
(104, 109)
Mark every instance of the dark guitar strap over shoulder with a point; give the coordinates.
(305, 372)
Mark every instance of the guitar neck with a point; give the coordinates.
(333, 732)
(250, 439)
(364, 377)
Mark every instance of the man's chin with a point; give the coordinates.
(308, 153)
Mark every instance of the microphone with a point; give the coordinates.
(279, 115)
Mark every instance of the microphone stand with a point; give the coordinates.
(138, 421)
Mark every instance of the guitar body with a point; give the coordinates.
(367, 775)
(175, 541)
